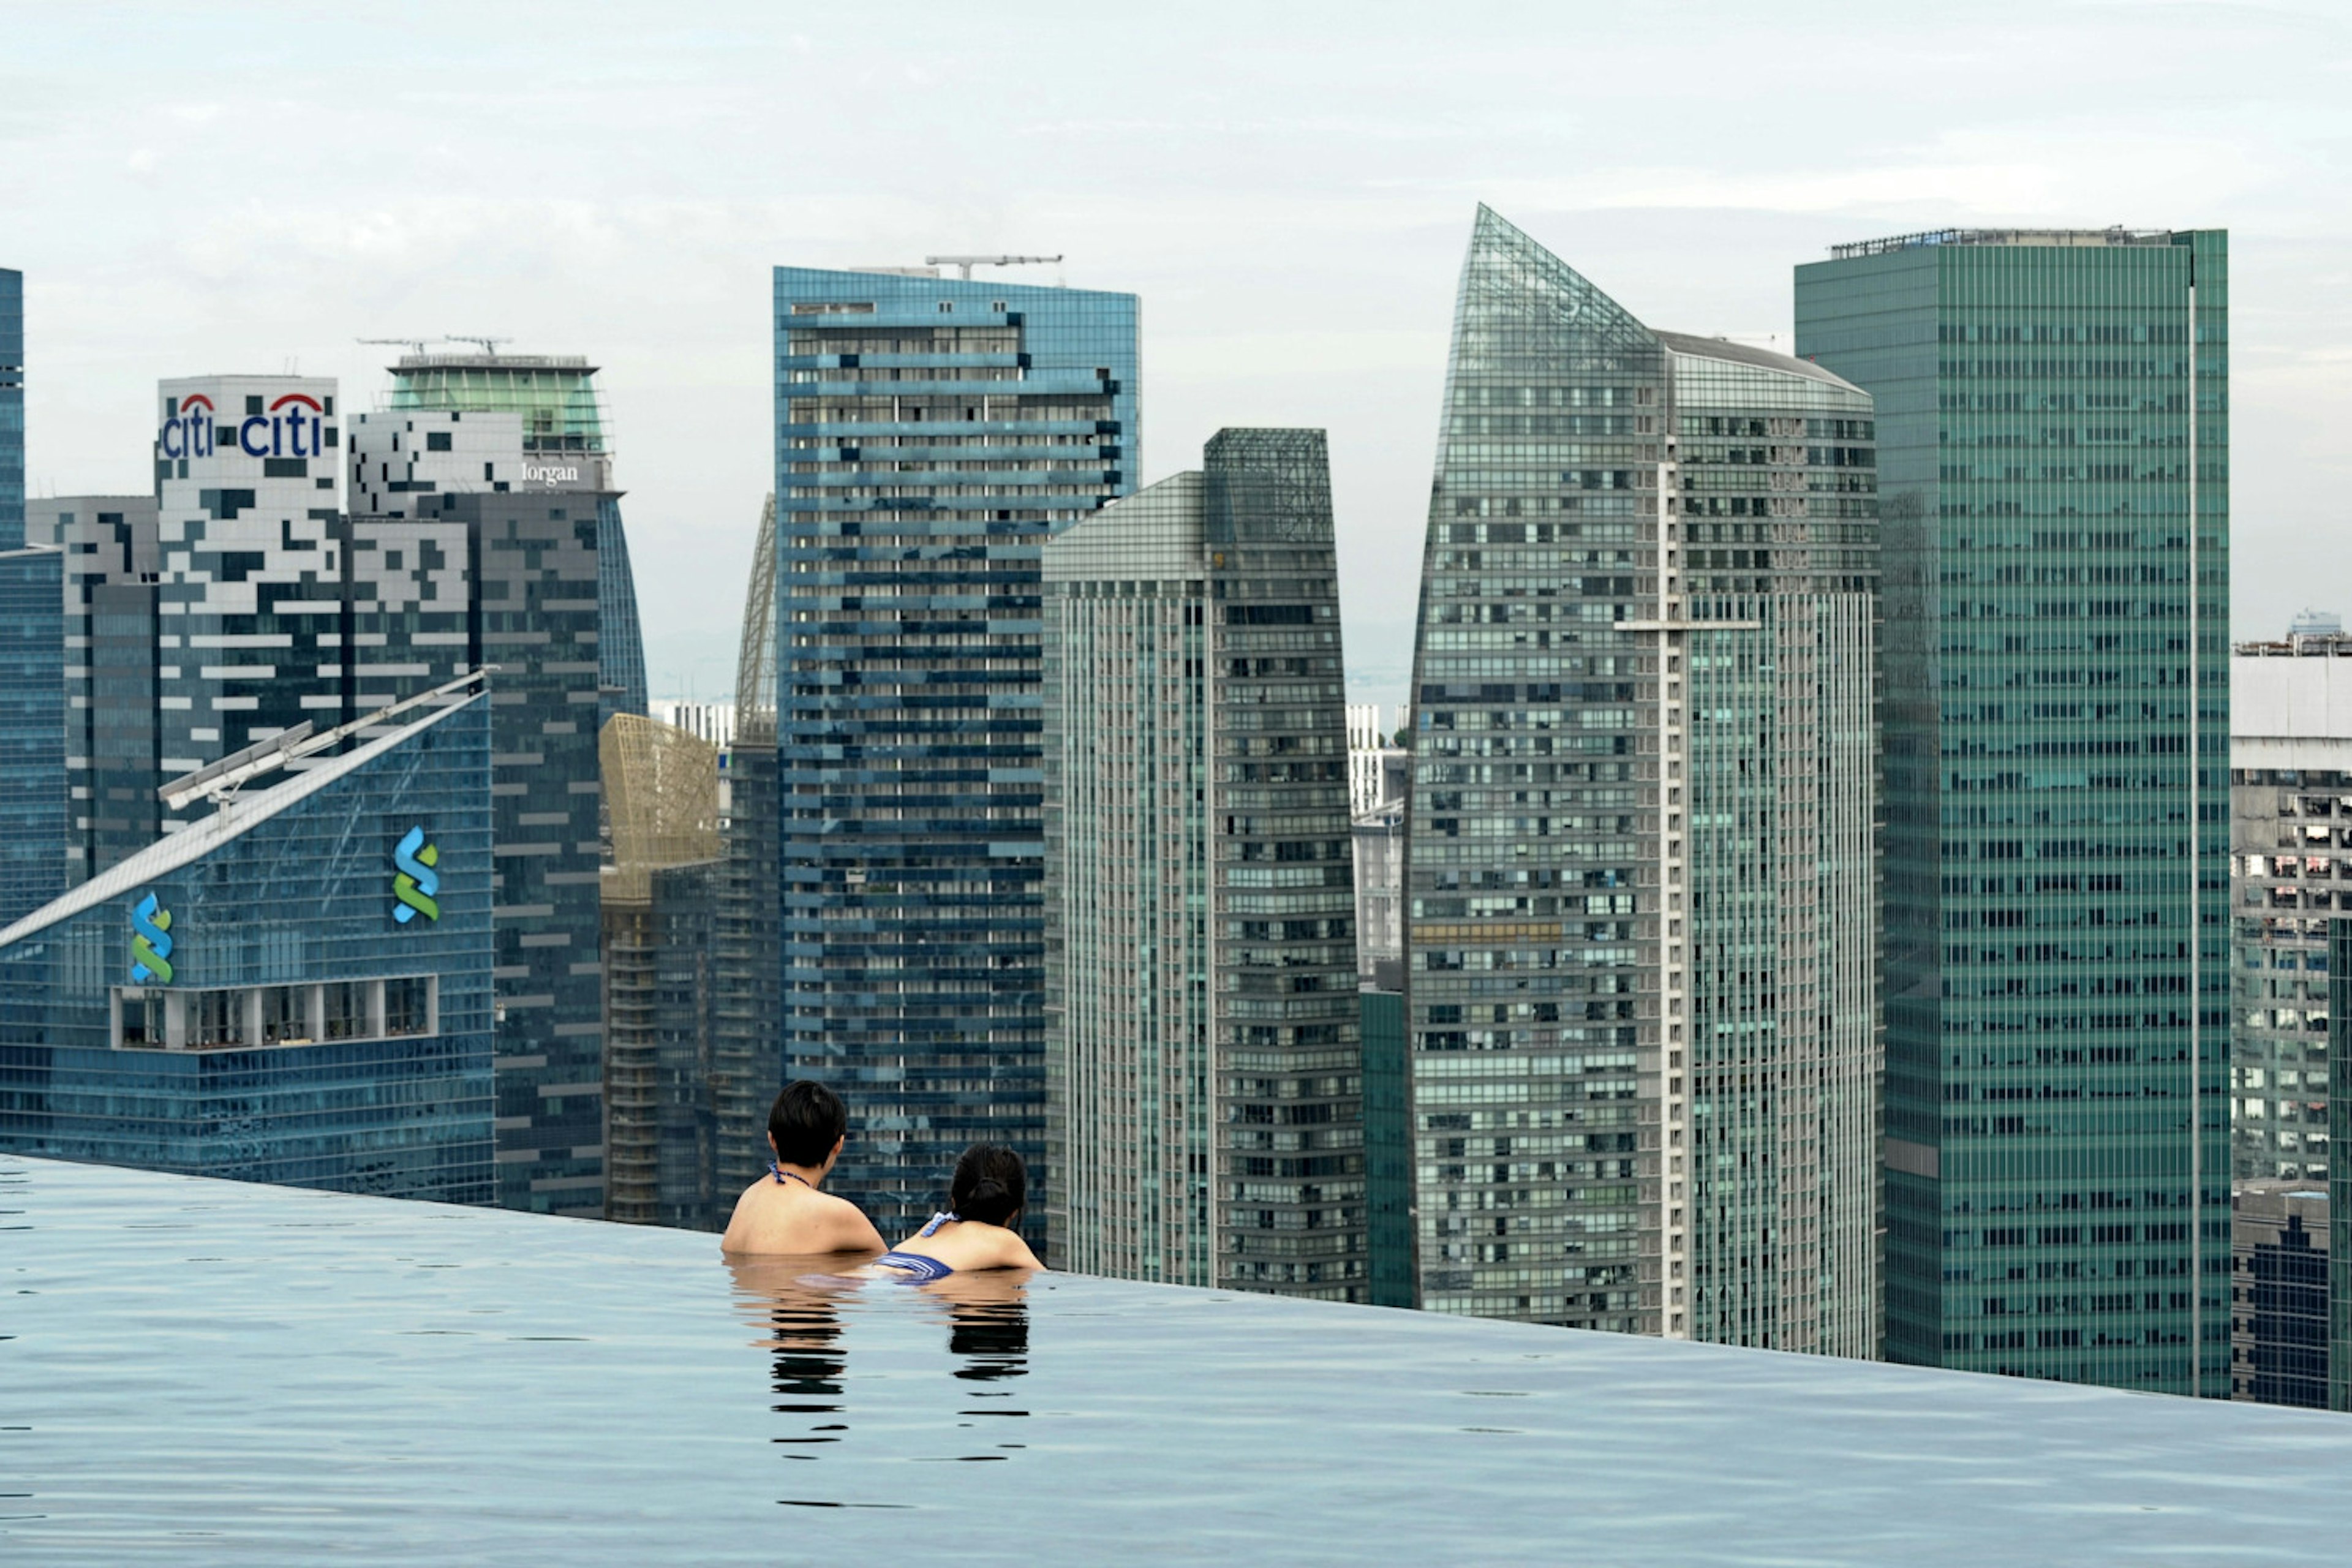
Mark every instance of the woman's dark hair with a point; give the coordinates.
(990, 1185)
(806, 1122)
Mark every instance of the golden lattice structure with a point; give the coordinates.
(661, 787)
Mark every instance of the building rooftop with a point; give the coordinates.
(209, 1371)
(208, 833)
(2063, 236)
(574, 363)
(1743, 353)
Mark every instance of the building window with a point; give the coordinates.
(346, 1010)
(407, 1006)
(215, 1018)
(286, 1015)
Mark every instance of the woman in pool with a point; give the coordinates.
(984, 1203)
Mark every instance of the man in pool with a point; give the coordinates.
(783, 1212)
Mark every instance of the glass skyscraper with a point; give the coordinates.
(1641, 878)
(32, 656)
(113, 563)
(32, 728)
(11, 408)
(482, 497)
(294, 989)
(931, 433)
(2053, 462)
(1204, 1086)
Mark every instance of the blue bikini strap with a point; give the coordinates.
(784, 1176)
(937, 1220)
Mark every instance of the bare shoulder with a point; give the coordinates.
(1012, 1252)
(738, 1237)
(850, 1229)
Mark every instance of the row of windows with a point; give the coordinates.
(256, 1017)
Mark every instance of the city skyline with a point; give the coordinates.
(1309, 236)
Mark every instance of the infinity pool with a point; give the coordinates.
(204, 1371)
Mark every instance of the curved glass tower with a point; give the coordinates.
(1641, 881)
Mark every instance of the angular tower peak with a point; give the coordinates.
(1509, 274)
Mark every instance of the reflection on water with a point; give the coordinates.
(807, 1311)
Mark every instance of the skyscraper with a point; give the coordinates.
(660, 900)
(559, 416)
(2290, 845)
(931, 434)
(1203, 1052)
(2053, 463)
(514, 453)
(11, 408)
(748, 1043)
(1641, 933)
(32, 656)
(32, 728)
(249, 606)
(112, 566)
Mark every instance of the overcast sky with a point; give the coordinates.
(218, 187)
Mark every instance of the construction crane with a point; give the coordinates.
(968, 262)
(416, 343)
(489, 345)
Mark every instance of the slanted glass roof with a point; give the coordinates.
(196, 1371)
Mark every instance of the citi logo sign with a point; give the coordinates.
(294, 427)
(414, 881)
(150, 942)
(549, 474)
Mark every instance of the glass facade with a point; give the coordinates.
(556, 411)
(2053, 463)
(1640, 939)
(11, 408)
(620, 640)
(748, 1048)
(32, 728)
(931, 434)
(1387, 1149)
(481, 530)
(296, 990)
(2290, 845)
(2339, 1177)
(2278, 1293)
(1204, 1090)
(112, 565)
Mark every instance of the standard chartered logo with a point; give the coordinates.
(150, 942)
(415, 880)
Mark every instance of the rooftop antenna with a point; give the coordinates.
(968, 262)
(416, 343)
(489, 345)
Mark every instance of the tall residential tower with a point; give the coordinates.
(1203, 1082)
(2053, 463)
(931, 434)
(1641, 883)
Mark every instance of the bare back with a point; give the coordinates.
(776, 1218)
(966, 1245)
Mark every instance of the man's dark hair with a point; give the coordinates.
(990, 1185)
(805, 1122)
